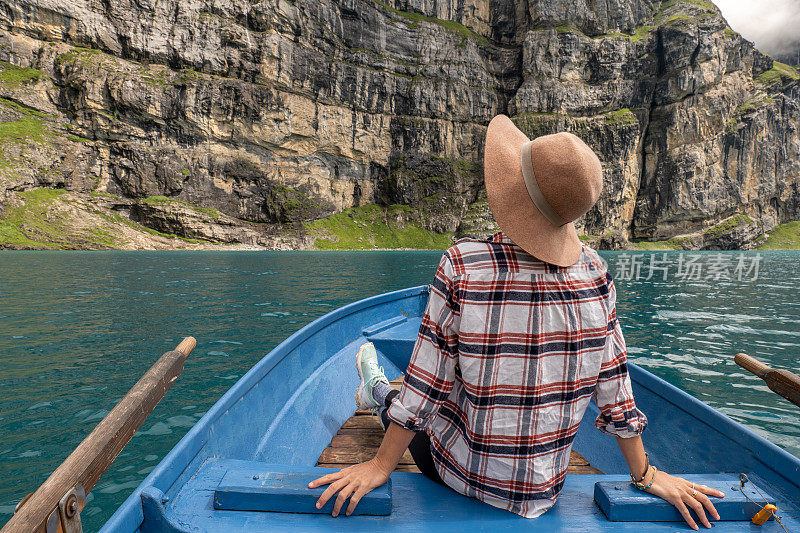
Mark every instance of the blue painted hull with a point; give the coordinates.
(288, 406)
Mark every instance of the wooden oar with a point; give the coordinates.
(57, 500)
(781, 381)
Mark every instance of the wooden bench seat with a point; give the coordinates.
(360, 437)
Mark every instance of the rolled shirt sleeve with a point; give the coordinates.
(613, 393)
(430, 374)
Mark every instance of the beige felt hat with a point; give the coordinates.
(537, 188)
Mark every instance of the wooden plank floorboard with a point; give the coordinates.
(360, 437)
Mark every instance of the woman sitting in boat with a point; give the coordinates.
(520, 332)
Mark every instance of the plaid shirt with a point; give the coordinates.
(509, 353)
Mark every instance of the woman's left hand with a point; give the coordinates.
(353, 482)
(684, 494)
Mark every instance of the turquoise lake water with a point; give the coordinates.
(77, 329)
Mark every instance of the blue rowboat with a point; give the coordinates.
(285, 410)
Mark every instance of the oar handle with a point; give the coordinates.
(748, 363)
(778, 380)
(186, 346)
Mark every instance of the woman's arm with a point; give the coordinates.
(357, 480)
(675, 490)
(633, 451)
(433, 365)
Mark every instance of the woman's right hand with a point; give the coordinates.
(683, 494)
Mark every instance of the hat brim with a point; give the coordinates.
(511, 205)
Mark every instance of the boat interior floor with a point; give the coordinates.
(360, 437)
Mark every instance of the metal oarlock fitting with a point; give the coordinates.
(68, 513)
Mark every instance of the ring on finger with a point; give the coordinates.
(692, 485)
(694, 493)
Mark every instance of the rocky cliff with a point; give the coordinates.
(297, 123)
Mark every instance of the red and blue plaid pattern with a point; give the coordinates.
(509, 353)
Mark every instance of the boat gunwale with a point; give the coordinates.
(778, 460)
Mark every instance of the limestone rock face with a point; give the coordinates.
(275, 113)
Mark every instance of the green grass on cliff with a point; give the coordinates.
(40, 224)
(729, 224)
(116, 218)
(753, 104)
(641, 33)
(783, 237)
(24, 128)
(674, 243)
(78, 54)
(780, 72)
(36, 225)
(704, 5)
(12, 75)
(449, 25)
(620, 116)
(78, 139)
(28, 226)
(21, 126)
(23, 109)
(164, 200)
(372, 226)
(535, 124)
(28, 126)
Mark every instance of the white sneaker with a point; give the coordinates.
(370, 374)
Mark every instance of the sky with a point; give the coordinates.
(773, 25)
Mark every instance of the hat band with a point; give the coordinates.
(533, 187)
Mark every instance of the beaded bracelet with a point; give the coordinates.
(641, 486)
